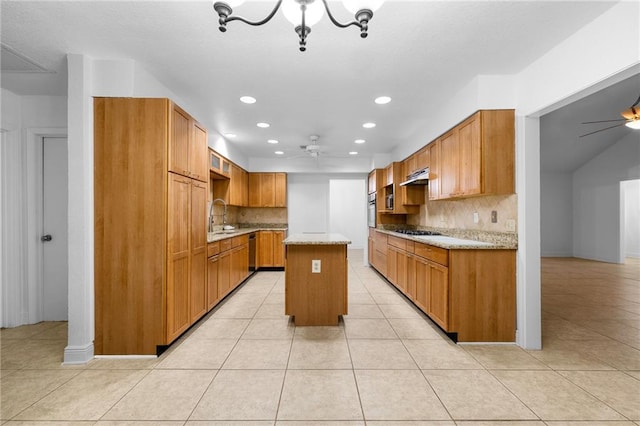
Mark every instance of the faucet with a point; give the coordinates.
(224, 213)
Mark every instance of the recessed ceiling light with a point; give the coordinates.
(369, 125)
(358, 141)
(279, 152)
(230, 135)
(353, 152)
(263, 125)
(382, 100)
(248, 99)
(272, 141)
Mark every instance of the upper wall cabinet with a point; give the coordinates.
(188, 146)
(474, 158)
(267, 190)
(219, 165)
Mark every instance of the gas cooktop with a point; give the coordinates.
(416, 232)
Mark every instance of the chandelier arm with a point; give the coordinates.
(636, 103)
(335, 22)
(255, 23)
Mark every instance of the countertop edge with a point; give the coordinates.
(240, 231)
(493, 246)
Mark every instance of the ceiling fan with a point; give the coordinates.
(630, 118)
(312, 150)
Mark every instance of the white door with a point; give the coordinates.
(348, 210)
(54, 236)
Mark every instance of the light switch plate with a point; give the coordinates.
(315, 266)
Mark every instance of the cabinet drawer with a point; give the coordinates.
(213, 248)
(435, 254)
(398, 242)
(225, 244)
(239, 240)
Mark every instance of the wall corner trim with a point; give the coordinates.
(74, 355)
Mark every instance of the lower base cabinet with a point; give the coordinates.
(270, 249)
(469, 293)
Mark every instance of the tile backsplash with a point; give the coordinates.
(271, 215)
(459, 214)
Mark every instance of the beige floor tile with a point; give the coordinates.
(319, 395)
(552, 397)
(616, 389)
(49, 423)
(598, 423)
(229, 423)
(26, 331)
(236, 311)
(564, 355)
(388, 298)
(266, 328)
(320, 333)
(364, 311)
(115, 363)
(440, 354)
(415, 328)
(380, 355)
(24, 387)
(263, 354)
(271, 310)
(368, 329)
(615, 354)
(60, 331)
(476, 395)
(274, 299)
(398, 395)
(400, 311)
(497, 357)
(196, 354)
(635, 374)
(318, 423)
(87, 396)
(138, 423)
(411, 423)
(502, 423)
(221, 328)
(361, 299)
(241, 395)
(34, 354)
(563, 329)
(163, 395)
(320, 354)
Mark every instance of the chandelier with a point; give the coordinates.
(303, 14)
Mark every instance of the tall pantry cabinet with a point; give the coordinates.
(150, 190)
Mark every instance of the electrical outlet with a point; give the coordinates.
(476, 217)
(511, 225)
(315, 266)
(494, 216)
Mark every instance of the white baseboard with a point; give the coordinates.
(556, 254)
(74, 355)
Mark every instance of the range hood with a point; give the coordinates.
(419, 177)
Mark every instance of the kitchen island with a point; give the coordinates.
(316, 278)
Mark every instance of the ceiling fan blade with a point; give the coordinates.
(604, 121)
(602, 130)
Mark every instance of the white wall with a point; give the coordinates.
(348, 210)
(631, 230)
(556, 214)
(307, 203)
(597, 201)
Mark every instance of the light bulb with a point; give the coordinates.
(293, 13)
(354, 6)
(633, 124)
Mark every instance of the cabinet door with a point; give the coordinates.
(265, 248)
(401, 271)
(198, 151)
(179, 141)
(392, 265)
(198, 224)
(422, 158)
(178, 315)
(268, 190)
(212, 282)
(281, 190)
(434, 170)
(470, 156)
(410, 283)
(255, 189)
(278, 249)
(422, 284)
(439, 294)
(372, 181)
(449, 164)
(224, 273)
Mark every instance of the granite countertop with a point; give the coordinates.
(212, 237)
(452, 242)
(319, 238)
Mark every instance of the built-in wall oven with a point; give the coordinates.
(371, 211)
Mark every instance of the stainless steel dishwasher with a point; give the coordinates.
(252, 252)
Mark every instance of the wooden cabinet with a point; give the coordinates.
(219, 165)
(238, 186)
(406, 199)
(267, 190)
(224, 273)
(477, 156)
(372, 181)
(434, 170)
(187, 146)
(213, 267)
(379, 251)
(270, 249)
(469, 293)
(149, 224)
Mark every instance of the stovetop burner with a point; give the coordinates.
(416, 232)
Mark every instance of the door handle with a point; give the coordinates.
(46, 238)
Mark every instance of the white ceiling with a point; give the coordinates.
(417, 52)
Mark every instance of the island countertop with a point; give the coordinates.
(319, 238)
